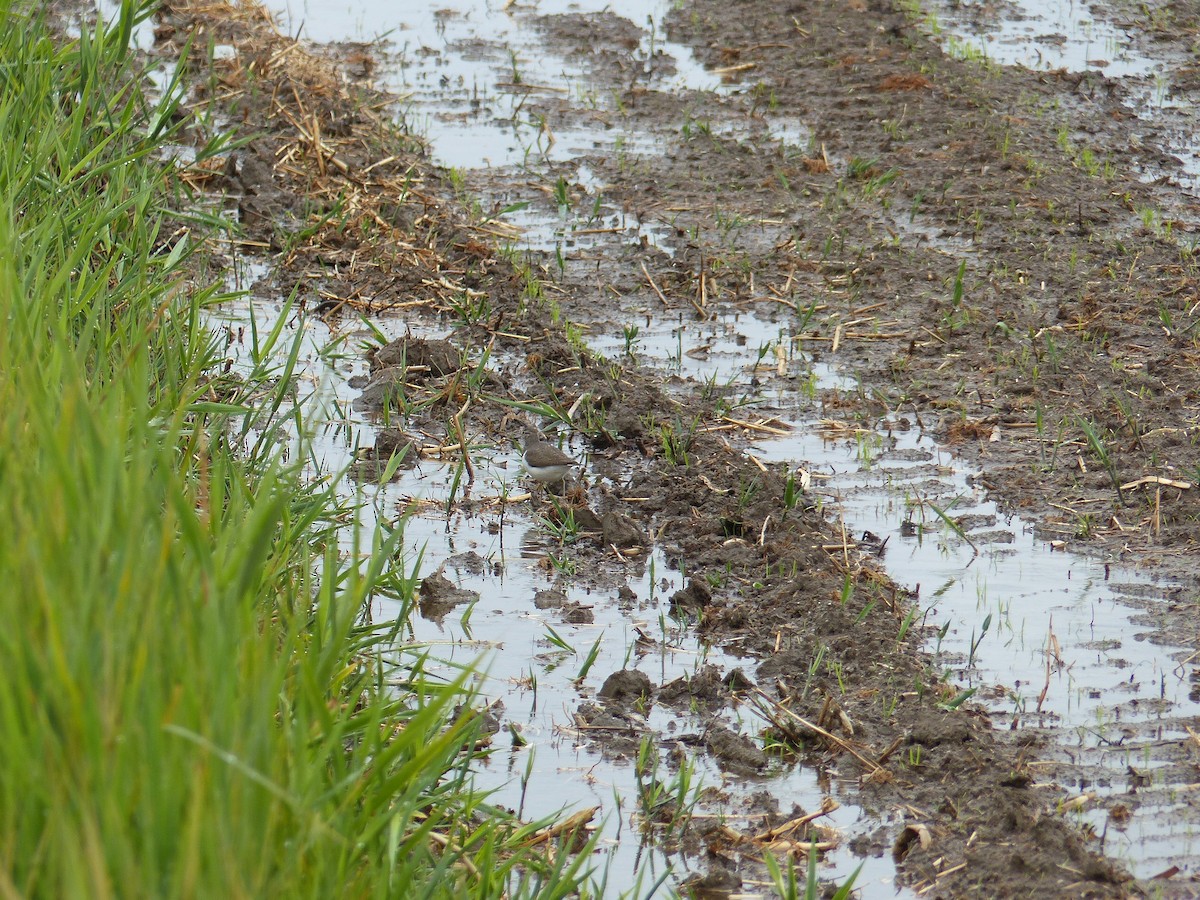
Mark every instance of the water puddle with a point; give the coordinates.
(468, 33)
(1039, 34)
(1046, 638)
(473, 72)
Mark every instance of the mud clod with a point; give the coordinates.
(376, 460)
(718, 884)
(577, 614)
(734, 752)
(933, 732)
(434, 358)
(385, 389)
(620, 531)
(549, 599)
(615, 730)
(587, 520)
(629, 686)
(392, 441)
(691, 599)
(706, 688)
(438, 596)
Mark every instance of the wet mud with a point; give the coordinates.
(1000, 257)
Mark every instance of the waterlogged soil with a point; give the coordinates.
(998, 255)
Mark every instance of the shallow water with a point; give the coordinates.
(1041, 35)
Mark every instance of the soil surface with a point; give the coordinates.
(945, 237)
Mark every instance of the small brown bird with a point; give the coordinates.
(544, 462)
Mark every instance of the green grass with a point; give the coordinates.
(193, 703)
(788, 887)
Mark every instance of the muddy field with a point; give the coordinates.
(731, 225)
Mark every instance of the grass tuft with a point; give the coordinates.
(194, 701)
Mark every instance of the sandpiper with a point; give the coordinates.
(544, 462)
